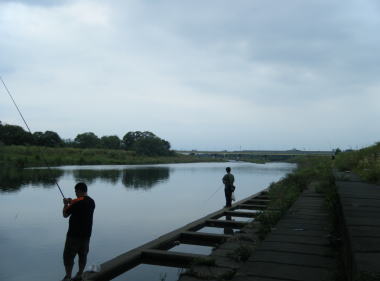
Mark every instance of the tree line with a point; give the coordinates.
(143, 143)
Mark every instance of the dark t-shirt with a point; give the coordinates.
(228, 181)
(81, 212)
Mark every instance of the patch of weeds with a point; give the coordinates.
(207, 261)
(241, 254)
(267, 221)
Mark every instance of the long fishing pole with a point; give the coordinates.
(23, 119)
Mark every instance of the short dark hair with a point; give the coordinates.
(81, 186)
(228, 169)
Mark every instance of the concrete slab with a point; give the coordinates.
(364, 231)
(293, 259)
(299, 232)
(307, 216)
(321, 241)
(296, 220)
(296, 248)
(361, 214)
(287, 272)
(368, 262)
(365, 244)
(362, 221)
(289, 225)
(308, 212)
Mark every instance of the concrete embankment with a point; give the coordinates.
(360, 212)
(303, 246)
(298, 248)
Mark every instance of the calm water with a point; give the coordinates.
(134, 204)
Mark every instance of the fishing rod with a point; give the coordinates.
(23, 119)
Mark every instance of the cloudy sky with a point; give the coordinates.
(202, 74)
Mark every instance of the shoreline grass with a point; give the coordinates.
(35, 156)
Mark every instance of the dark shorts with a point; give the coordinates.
(73, 247)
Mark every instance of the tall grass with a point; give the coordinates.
(35, 156)
(365, 162)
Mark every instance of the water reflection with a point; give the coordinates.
(144, 178)
(89, 176)
(228, 230)
(12, 180)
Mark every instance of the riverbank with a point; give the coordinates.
(35, 156)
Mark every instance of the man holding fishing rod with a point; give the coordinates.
(80, 211)
(229, 187)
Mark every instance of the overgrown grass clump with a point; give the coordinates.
(364, 162)
(36, 156)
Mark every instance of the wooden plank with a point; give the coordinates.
(252, 207)
(170, 258)
(226, 223)
(241, 214)
(204, 239)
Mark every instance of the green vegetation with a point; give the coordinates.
(33, 156)
(142, 143)
(364, 162)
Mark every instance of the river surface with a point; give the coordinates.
(134, 204)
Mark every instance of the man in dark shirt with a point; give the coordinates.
(229, 187)
(80, 211)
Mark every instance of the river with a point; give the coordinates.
(134, 204)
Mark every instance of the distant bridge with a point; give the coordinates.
(263, 155)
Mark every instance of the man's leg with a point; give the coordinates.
(82, 256)
(68, 257)
(228, 194)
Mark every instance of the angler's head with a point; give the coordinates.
(80, 189)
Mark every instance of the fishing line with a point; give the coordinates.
(23, 119)
(214, 192)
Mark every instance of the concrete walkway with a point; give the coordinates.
(297, 249)
(360, 204)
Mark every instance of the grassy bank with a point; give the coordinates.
(33, 156)
(364, 162)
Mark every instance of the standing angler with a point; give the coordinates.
(229, 187)
(80, 211)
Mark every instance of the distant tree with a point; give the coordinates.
(110, 142)
(87, 140)
(131, 138)
(49, 138)
(146, 143)
(337, 151)
(11, 134)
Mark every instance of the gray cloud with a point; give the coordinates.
(277, 75)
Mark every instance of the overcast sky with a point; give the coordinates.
(243, 74)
